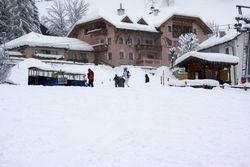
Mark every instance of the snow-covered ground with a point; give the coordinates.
(145, 125)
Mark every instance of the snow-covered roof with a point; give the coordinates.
(216, 39)
(34, 39)
(116, 20)
(152, 20)
(49, 56)
(211, 57)
(14, 53)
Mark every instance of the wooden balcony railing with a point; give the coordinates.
(149, 47)
(97, 32)
(148, 62)
(100, 47)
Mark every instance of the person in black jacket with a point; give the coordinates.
(146, 78)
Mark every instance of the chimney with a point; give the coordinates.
(120, 11)
(156, 12)
(222, 34)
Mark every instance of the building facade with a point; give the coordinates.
(117, 39)
(233, 43)
(40, 46)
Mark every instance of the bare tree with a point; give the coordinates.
(56, 19)
(61, 16)
(213, 26)
(76, 9)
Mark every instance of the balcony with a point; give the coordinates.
(149, 47)
(97, 32)
(100, 47)
(148, 62)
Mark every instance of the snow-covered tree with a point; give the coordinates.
(64, 15)
(76, 9)
(56, 19)
(18, 18)
(188, 42)
(4, 66)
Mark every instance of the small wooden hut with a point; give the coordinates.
(200, 65)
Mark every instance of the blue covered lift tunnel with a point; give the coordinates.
(38, 76)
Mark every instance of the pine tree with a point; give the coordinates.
(18, 18)
(4, 65)
(188, 42)
(6, 16)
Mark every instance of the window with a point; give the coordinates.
(129, 40)
(149, 41)
(195, 32)
(169, 29)
(122, 55)
(138, 41)
(109, 56)
(227, 50)
(120, 40)
(109, 41)
(131, 56)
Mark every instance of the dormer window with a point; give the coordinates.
(126, 20)
(142, 21)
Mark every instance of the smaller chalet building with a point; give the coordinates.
(119, 38)
(233, 43)
(208, 65)
(34, 45)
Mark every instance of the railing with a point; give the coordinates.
(148, 47)
(100, 47)
(148, 62)
(97, 32)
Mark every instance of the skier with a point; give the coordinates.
(126, 75)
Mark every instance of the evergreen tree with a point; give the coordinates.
(18, 18)
(4, 65)
(6, 16)
(188, 42)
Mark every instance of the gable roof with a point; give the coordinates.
(217, 40)
(142, 21)
(126, 19)
(152, 21)
(115, 20)
(211, 57)
(35, 39)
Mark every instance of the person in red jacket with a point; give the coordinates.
(90, 78)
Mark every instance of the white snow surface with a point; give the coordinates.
(35, 39)
(212, 57)
(144, 125)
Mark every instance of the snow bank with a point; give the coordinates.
(144, 126)
(103, 74)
